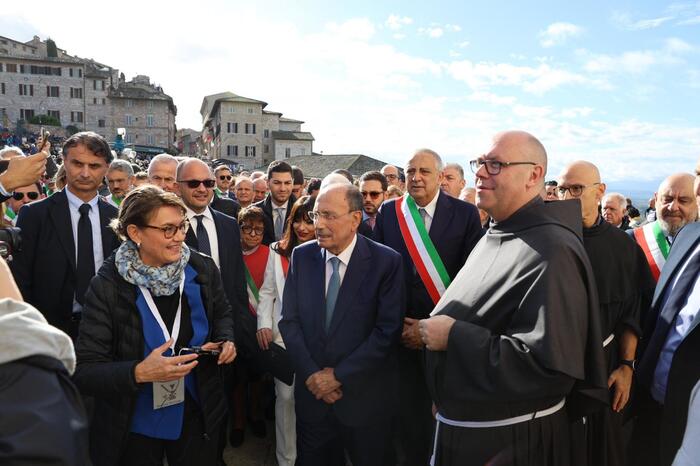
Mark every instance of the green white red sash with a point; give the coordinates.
(653, 242)
(10, 215)
(421, 248)
(253, 292)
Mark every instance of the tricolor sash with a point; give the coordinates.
(10, 216)
(253, 292)
(421, 248)
(653, 242)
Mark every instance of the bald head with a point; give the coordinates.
(676, 205)
(581, 180)
(528, 145)
(334, 178)
(187, 165)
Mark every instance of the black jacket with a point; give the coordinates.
(110, 344)
(225, 206)
(266, 206)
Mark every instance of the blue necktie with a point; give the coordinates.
(202, 236)
(676, 300)
(332, 293)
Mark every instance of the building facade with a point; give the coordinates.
(37, 78)
(240, 130)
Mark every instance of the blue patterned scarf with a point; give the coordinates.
(160, 281)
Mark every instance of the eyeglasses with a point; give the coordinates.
(390, 177)
(493, 167)
(315, 216)
(248, 230)
(33, 196)
(372, 194)
(575, 190)
(194, 184)
(170, 230)
(225, 177)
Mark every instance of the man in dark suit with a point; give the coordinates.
(67, 236)
(278, 204)
(668, 367)
(453, 229)
(342, 317)
(225, 205)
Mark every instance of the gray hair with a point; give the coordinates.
(434, 155)
(122, 166)
(457, 167)
(161, 158)
(242, 179)
(622, 200)
(352, 194)
(334, 178)
(10, 150)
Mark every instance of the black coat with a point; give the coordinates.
(225, 206)
(266, 206)
(111, 344)
(43, 420)
(45, 269)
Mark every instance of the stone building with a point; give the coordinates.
(320, 165)
(187, 141)
(38, 78)
(240, 130)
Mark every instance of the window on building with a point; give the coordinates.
(232, 151)
(76, 92)
(250, 110)
(54, 113)
(250, 151)
(104, 101)
(76, 117)
(80, 72)
(11, 67)
(101, 123)
(150, 120)
(0, 67)
(149, 104)
(266, 133)
(102, 84)
(232, 109)
(287, 152)
(26, 114)
(266, 149)
(22, 69)
(130, 138)
(2, 88)
(250, 128)
(302, 151)
(70, 72)
(150, 140)
(52, 91)
(26, 89)
(129, 119)
(94, 100)
(94, 84)
(129, 103)
(232, 128)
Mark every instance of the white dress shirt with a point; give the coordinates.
(74, 203)
(210, 226)
(344, 261)
(430, 210)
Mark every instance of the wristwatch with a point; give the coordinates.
(631, 363)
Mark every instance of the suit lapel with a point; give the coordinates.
(221, 236)
(357, 270)
(317, 293)
(105, 231)
(60, 217)
(669, 270)
(441, 219)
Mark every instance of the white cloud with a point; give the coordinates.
(575, 112)
(491, 98)
(454, 54)
(433, 32)
(396, 22)
(463, 45)
(690, 21)
(675, 45)
(453, 27)
(354, 29)
(558, 33)
(638, 61)
(624, 21)
(399, 36)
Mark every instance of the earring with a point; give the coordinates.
(138, 245)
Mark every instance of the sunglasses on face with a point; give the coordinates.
(194, 184)
(372, 194)
(33, 196)
(226, 177)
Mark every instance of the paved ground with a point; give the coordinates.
(254, 451)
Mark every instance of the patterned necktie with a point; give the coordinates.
(424, 215)
(279, 223)
(202, 236)
(332, 293)
(85, 267)
(371, 221)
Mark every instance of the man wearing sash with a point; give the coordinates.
(119, 180)
(675, 208)
(434, 233)
(518, 328)
(625, 286)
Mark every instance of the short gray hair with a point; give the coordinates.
(122, 166)
(434, 155)
(10, 150)
(457, 167)
(622, 200)
(161, 158)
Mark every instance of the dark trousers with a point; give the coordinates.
(645, 444)
(194, 447)
(323, 443)
(416, 423)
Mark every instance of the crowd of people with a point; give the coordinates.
(398, 318)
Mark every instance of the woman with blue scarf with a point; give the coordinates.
(156, 328)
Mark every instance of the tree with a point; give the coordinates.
(51, 49)
(46, 120)
(72, 129)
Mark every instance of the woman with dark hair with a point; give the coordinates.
(155, 327)
(299, 229)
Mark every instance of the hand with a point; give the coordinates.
(621, 378)
(333, 396)
(23, 171)
(159, 368)
(435, 331)
(8, 286)
(227, 351)
(410, 337)
(322, 382)
(264, 336)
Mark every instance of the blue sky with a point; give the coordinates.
(616, 83)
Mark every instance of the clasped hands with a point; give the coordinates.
(324, 385)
